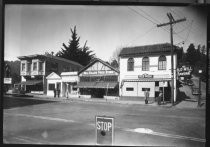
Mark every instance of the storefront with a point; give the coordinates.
(64, 82)
(147, 67)
(153, 84)
(98, 79)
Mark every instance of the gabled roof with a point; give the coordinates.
(98, 60)
(147, 50)
(53, 75)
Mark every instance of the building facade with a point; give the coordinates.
(147, 68)
(98, 79)
(35, 68)
(64, 82)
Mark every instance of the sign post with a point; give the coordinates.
(104, 130)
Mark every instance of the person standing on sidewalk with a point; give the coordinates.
(58, 92)
(160, 97)
(146, 93)
(54, 92)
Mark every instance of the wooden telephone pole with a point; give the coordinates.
(171, 22)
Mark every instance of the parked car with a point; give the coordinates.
(189, 82)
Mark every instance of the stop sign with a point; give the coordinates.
(104, 130)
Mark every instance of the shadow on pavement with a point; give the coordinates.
(181, 96)
(12, 102)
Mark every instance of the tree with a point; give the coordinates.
(73, 52)
(115, 59)
(114, 63)
(14, 71)
(191, 55)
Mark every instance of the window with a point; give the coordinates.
(145, 64)
(23, 66)
(51, 87)
(144, 89)
(130, 64)
(29, 67)
(41, 64)
(162, 63)
(34, 66)
(129, 89)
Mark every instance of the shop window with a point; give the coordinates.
(145, 64)
(74, 89)
(51, 86)
(162, 63)
(144, 89)
(130, 64)
(129, 88)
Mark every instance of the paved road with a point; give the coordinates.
(28, 121)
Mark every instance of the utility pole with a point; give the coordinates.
(171, 22)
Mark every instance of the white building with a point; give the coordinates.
(64, 82)
(148, 67)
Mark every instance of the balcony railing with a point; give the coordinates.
(31, 73)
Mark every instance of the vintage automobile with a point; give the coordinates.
(189, 82)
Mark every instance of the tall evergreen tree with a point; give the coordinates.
(73, 52)
(191, 54)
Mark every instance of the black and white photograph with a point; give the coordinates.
(114, 75)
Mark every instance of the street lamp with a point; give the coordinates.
(199, 92)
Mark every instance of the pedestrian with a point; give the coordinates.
(58, 93)
(54, 92)
(146, 93)
(160, 97)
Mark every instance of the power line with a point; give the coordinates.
(142, 15)
(153, 21)
(141, 36)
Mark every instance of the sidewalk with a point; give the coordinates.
(182, 104)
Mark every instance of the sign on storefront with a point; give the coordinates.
(7, 80)
(104, 130)
(145, 76)
(163, 84)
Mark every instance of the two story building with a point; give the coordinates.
(147, 68)
(35, 68)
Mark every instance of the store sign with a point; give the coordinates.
(104, 130)
(7, 80)
(145, 76)
(100, 72)
(163, 84)
(184, 71)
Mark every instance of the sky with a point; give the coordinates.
(36, 29)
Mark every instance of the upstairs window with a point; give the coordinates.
(41, 66)
(130, 64)
(29, 67)
(145, 64)
(23, 67)
(35, 66)
(162, 63)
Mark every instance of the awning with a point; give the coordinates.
(147, 80)
(96, 85)
(31, 82)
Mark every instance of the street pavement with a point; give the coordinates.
(47, 120)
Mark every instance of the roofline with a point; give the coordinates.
(49, 56)
(149, 53)
(95, 60)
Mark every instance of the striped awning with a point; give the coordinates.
(111, 85)
(147, 80)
